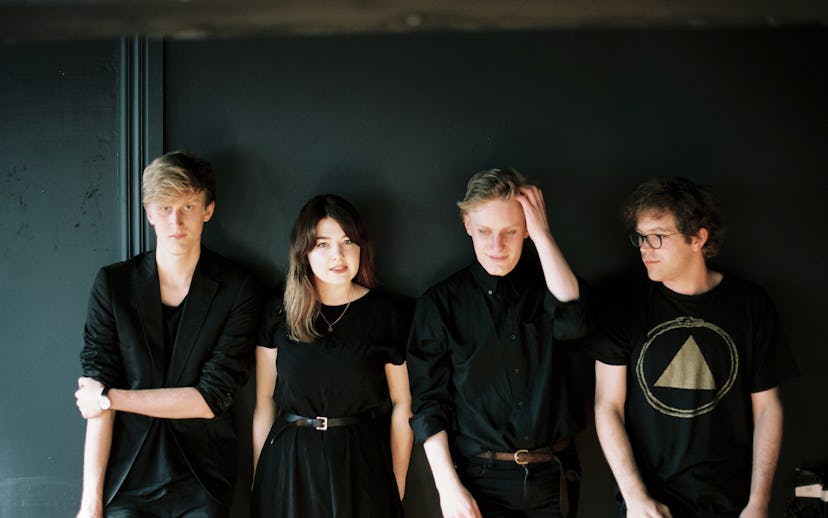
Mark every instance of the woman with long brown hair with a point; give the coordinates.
(331, 437)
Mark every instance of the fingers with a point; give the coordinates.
(531, 199)
(530, 190)
(531, 193)
(86, 397)
(534, 210)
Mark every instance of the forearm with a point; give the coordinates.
(767, 440)
(263, 417)
(264, 414)
(609, 424)
(560, 280)
(455, 500)
(166, 403)
(402, 440)
(439, 459)
(96, 449)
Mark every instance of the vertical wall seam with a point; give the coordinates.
(141, 123)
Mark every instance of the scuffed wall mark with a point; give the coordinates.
(90, 210)
(86, 197)
(14, 223)
(22, 230)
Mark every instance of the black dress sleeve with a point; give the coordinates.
(273, 320)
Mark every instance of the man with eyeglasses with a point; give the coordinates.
(688, 367)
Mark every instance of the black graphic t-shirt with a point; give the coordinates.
(693, 363)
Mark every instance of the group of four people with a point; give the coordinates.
(347, 378)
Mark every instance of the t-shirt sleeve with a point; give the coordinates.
(612, 340)
(397, 312)
(772, 359)
(272, 320)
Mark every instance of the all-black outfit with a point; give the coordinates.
(344, 471)
(487, 365)
(132, 342)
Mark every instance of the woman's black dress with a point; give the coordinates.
(344, 471)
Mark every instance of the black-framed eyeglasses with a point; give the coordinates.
(653, 240)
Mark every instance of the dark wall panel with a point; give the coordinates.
(397, 124)
(59, 206)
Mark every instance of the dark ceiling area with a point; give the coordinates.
(75, 19)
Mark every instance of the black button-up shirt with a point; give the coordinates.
(486, 364)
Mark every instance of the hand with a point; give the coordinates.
(534, 210)
(86, 397)
(457, 502)
(91, 510)
(647, 508)
(754, 511)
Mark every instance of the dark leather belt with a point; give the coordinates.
(546, 454)
(526, 457)
(322, 423)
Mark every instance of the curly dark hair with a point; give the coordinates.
(693, 206)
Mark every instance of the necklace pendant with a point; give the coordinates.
(330, 329)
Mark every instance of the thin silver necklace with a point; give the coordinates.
(331, 324)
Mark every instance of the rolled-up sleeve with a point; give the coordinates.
(573, 319)
(429, 371)
(100, 356)
(228, 368)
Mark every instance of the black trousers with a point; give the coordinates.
(186, 499)
(508, 490)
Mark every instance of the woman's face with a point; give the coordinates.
(334, 258)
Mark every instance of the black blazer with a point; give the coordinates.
(124, 348)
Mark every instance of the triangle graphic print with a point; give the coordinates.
(688, 370)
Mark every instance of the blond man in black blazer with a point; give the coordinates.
(167, 345)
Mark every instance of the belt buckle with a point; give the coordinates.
(517, 455)
(324, 425)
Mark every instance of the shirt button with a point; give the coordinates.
(513, 337)
(516, 371)
(521, 403)
(489, 292)
(525, 437)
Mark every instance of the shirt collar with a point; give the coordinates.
(499, 284)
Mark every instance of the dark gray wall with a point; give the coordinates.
(60, 218)
(397, 124)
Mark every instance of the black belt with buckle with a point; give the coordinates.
(322, 423)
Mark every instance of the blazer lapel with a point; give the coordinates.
(145, 297)
(199, 299)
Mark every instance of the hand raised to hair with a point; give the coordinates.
(534, 210)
